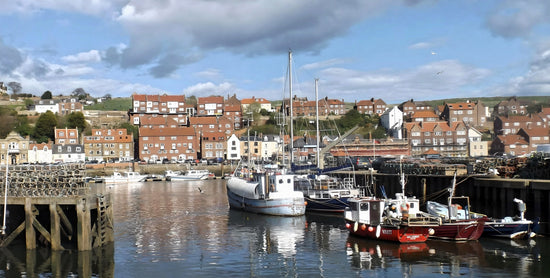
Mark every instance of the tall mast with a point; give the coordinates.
(291, 109)
(317, 119)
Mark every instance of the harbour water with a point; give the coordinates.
(185, 229)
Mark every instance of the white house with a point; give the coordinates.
(233, 148)
(271, 147)
(476, 146)
(44, 105)
(68, 153)
(40, 153)
(392, 120)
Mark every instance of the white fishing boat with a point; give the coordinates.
(193, 174)
(264, 192)
(124, 177)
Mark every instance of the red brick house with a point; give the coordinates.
(210, 106)
(330, 107)
(234, 112)
(211, 124)
(424, 116)
(159, 106)
(512, 106)
(109, 144)
(213, 145)
(371, 107)
(157, 143)
(535, 137)
(410, 107)
(513, 144)
(68, 106)
(504, 125)
(447, 140)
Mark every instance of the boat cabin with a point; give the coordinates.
(365, 210)
(271, 183)
(458, 210)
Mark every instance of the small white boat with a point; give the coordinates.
(124, 177)
(188, 175)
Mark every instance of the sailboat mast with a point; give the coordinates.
(291, 109)
(317, 119)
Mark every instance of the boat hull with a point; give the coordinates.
(330, 205)
(292, 206)
(461, 230)
(521, 229)
(397, 233)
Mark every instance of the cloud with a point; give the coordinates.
(10, 58)
(517, 18)
(247, 28)
(393, 86)
(171, 62)
(536, 81)
(323, 64)
(209, 88)
(83, 57)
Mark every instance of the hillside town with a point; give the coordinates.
(171, 129)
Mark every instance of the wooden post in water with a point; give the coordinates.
(83, 226)
(30, 234)
(55, 228)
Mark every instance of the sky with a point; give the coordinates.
(357, 49)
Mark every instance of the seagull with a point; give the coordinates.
(439, 72)
(433, 53)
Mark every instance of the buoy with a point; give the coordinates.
(363, 227)
(371, 229)
(378, 230)
(347, 226)
(305, 203)
(431, 231)
(355, 226)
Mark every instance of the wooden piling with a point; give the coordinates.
(49, 203)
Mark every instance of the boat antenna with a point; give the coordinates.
(5, 201)
(291, 109)
(317, 119)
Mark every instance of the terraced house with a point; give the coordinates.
(109, 145)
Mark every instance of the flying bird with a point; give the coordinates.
(200, 190)
(439, 72)
(433, 53)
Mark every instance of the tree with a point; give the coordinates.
(46, 95)
(23, 126)
(15, 88)
(44, 130)
(80, 94)
(76, 120)
(8, 120)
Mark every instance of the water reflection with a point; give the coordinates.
(273, 234)
(370, 254)
(165, 229)
(16, 261)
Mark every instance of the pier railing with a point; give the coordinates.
(44, 180)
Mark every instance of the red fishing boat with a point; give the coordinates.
(457, 222)
(397, 220)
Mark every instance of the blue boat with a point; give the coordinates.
(268, 193)
(512, 227)
(326, 194)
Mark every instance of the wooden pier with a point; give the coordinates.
(51, 205)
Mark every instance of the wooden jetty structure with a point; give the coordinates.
(52, 205)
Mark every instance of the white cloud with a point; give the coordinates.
(83, 57)
(209, 88)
